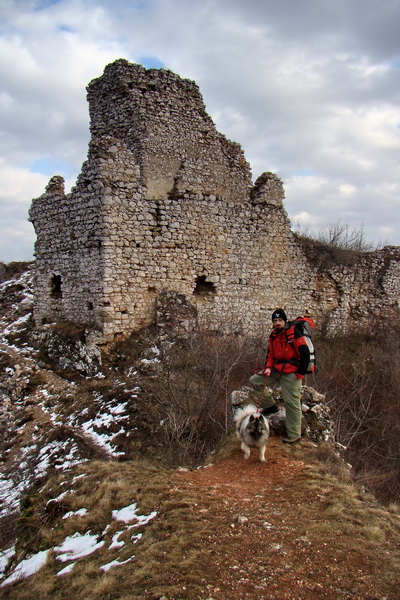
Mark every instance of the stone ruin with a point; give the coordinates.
(165, 203)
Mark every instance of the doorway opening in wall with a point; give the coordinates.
(55, 287)
(204, 287)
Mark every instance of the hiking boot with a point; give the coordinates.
(270, 410)
(291, 440)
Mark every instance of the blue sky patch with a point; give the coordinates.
(303, 173)
(43, 4)
(66, 28)
(50, 167)
(151, 62)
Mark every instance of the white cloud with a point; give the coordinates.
(305, 87)
(18, 187)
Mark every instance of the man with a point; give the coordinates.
(286, 365)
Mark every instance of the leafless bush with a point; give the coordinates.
(334, 244)
(339, 235)
(13, 269)
(192, 391)
(360, 375)
(7, 529)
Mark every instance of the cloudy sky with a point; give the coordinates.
(309, 88)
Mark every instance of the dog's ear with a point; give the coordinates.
(252, 418)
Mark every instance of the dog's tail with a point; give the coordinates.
(243, 412)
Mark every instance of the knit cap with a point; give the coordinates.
(279, 313)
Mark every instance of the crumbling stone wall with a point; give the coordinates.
(162, 120)
(165, 203)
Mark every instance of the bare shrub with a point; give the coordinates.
(7, 529)
(29, 523)
(334, 244)
(13, 269)
(341, 235)
(191, 394)
(360, 375)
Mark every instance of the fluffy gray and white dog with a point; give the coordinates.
(252, 429)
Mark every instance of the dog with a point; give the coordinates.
(252, 428)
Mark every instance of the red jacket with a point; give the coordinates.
(287, 357)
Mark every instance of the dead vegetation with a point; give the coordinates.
(335, 244)
(360, 375)
(286, 529)
(296, 527)
(185, 386)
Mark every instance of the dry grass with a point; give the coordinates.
(349, 519)
(105, 487)
(332, 517)
(346, 529)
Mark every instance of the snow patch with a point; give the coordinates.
(77, 513)
(77, 546)
(115, 563)
(27, 567)
(128, 514)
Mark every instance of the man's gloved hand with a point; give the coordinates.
(266, 372)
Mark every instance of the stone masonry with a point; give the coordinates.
(165, 203)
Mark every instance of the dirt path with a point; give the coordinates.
(273, 536)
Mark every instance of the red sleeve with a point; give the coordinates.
(270, 360)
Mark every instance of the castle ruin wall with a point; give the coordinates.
(164, 202)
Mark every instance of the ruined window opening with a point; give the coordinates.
(157, 220)
(89, 305)
(204, 287)
(56, 284)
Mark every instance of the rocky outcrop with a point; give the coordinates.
(317, 424)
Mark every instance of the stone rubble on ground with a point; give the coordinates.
(316, 424)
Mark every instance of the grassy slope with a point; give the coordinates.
(295, 527)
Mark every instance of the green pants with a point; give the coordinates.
(291, 390)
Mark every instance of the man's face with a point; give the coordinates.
(278, 323)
